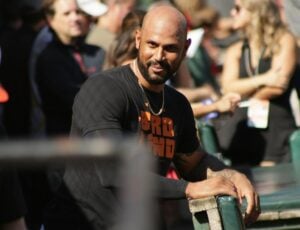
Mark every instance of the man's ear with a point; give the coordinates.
(187, 44)
(137, 38)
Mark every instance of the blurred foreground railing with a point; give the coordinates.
(135, 160)
(30, 152)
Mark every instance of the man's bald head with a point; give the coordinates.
(167, 16)
(162, 44)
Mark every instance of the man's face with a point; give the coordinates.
(161, 50)
(68, 21)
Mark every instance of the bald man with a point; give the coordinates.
(134, 99)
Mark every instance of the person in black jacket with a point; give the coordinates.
(65, 63)
(62, 66)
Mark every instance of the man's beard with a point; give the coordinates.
(155, 79)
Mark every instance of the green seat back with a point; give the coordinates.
(294, 142)
(208, 137)
(209, 141)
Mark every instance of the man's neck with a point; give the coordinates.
(142, 81)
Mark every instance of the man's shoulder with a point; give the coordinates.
(117, 73)
(176, 99)
(105, 86)
(174, 93)
(114, 76)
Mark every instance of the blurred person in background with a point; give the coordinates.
(10, 17)
(15, 78)
(204, 92)
(12, 203)
(108, 25)
(289, 12)
(14, 70)
(122, 50)
(260, 68)
(224, 34)
(64, 62)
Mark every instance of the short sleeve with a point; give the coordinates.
(99, 105)
(188, 140)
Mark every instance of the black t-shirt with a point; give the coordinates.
(112, 103)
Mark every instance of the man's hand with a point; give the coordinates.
(228, 182)
(214, 178)
(246, 190)
(211, 187)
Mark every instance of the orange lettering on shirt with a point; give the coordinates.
(145, 121)
(159, 132)
(170, 148)
(156, 125)
(158, 145)
(168, 127)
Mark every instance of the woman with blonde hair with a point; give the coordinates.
(260, 68)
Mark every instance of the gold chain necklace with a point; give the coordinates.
(134, 65)
(149, 105)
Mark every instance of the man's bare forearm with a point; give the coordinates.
(226, 172)
(208, 167)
